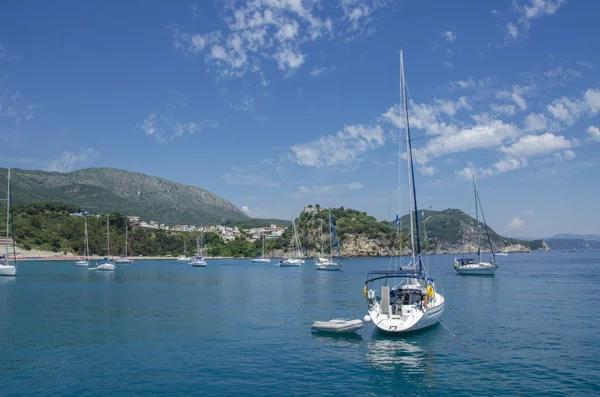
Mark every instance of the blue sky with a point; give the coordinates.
(274, 104)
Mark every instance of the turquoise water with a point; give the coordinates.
(164, 328)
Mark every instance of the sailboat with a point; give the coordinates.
(185, 256)
(107, 264)
(328, 263)
(296, 259)
(469, 265)
(408, 299)
(86, 248)
(124, 259)
(199, 260)
(6, 268)
(261, 259)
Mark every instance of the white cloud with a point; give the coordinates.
(449, 35)
(318, 71)
(355, 185)
(258, 31)
(535, 122)
(534, 9)
(428, 170)
(12, 105)
(516, 95)
(245, 209)
(592, 99)
(515, 224)
(508, 110)
(68, 160)
(303, 189)
(342, 148)
(163, 126)
(542, 8)
(483, 135)
(150, 128)
(535, 145)
(511, 31)
(594, 133)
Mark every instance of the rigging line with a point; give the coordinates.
(483, 361)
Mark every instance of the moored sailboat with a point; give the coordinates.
(262, 258)
(125, 259)
(8, 267)
(329, 263)
(409, 300)
(295, 260)
(469, 266)
(86, 248)
(185, 256)
(107, 264)
(199, 260)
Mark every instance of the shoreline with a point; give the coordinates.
(172, 258)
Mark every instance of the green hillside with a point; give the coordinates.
(103, 190)
(48, 226)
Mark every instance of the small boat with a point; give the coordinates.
(199, 260)
(329, 263)
(124, 259)
(262, 258)
(185, 256)
(340, 325)
(107, 264)
(296, 260)
(6, 268)
(501, 254)
(86, 249)
(470, 266)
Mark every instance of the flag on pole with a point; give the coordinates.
(397, 219)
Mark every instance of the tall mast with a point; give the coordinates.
(7, 217)
(330, 236)
(126, 240)
(263, 244)
(107, 236)
(477, 216)
(411, 172)
(85, 238)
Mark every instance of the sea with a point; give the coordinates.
(163, 328)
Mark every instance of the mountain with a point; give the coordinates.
(453, 231)
(563, 236)
(570, 243)
(448, 231)
(104, 190)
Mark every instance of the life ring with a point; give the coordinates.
(430, 291)
(365, 292)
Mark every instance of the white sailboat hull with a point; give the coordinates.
(260, 260)
(328, 265)
(8, 270)
(480, 269)
(105, 267)
(183, 259)
(82, 263)
(198, 263)
(123, 260)
(418, 318)
(291, 263)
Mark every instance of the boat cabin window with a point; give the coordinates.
(408, 298)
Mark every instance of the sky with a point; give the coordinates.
(276, 104)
